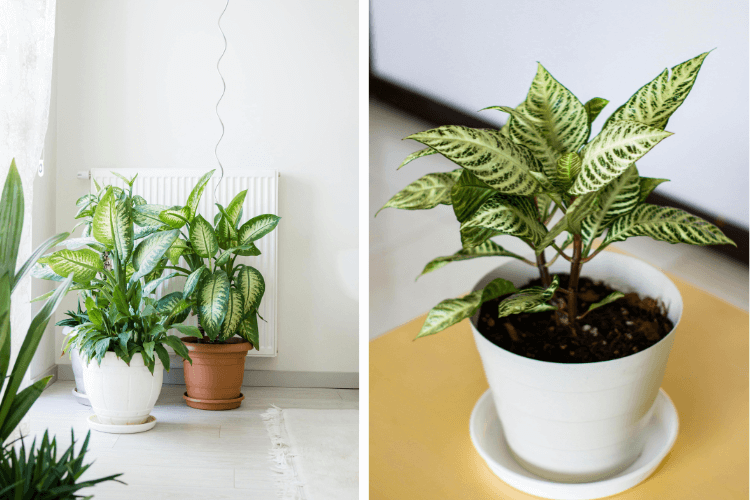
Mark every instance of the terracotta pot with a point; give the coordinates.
(214, 380)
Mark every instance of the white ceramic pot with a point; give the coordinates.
(76, 363)
(580, 422)
(122, 394)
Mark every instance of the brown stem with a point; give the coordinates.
(543, 271)
(575, 273)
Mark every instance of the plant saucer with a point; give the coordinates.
(121, 429)
(81, 398)
(488, 439)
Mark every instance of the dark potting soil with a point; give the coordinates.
(615, 330)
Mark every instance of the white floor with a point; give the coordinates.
(402, 242)
(190, 454)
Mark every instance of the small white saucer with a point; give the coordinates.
(488, 439)
(121, 429)
(81, 398)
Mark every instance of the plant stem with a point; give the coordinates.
(543, 271)
(601, 247)
(575, 273)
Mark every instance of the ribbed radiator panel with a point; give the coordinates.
(172, 187)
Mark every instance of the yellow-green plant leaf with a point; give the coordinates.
(257, 227)
(506, 214)
(249, 250)
(83, 263)
(529, 300)
(203, 238)
(451, 311)
(619, 145)
(177, 250)
(487, 249)
(475, 236)
(11, 219)
(234, 209)
(235, 311)
(655, 102)
(150, 251)
(417, 154)
(665, 224)
(192, 281)
(113, 225)
(571, 221)
(426, 192)
(148, 215)
(567, 169)
(606, 300)
(196, 193)
(493, 158)
(648, 184)
(593, 107)
(226, 234)
(213, 301)
(252, 286)
(469, 193)
(175, 217)
(249, 330)
(543, 206)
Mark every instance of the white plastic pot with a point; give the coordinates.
(579, 422)
(122, 394)
(76, 363)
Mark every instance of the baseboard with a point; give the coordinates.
(53, 371)
(262, 378)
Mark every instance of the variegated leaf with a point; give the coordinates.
(475, 236)
(593, 107)
(487, 249)
(249, 250)
(606, 300)
(213, 302)
(425, 193)
(139, 200)
(173, 304)
(249, 330)
(655, 102)
(618, 146)
(196, 193)
(226, 234)
(177, 250)
(84, 263)
(469, 193)
(567, 169)
(148, 215)
(451, 311)
(113, 225)
(234, 209)
(617, 198)
(648, 184)
(152, 285)
(543, 206)
(506, 214)
(581, 208)
(665, 224)
(257, 227)
(44, 272)
(234, 315)
(175, 217)
(192, 281)
(150, 251)
(76, 243)
(417, 154)
(251, 285)
(203, 238)
(493, 158)
(529, 300)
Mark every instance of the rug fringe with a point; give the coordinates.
(290, 487)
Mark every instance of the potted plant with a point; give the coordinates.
(225, 294)
(126, 331)
(39, 472)
(574, 361)
(74, 320)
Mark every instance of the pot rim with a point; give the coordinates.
(624, 359)
(232, 345)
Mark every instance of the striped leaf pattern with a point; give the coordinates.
(417, 154)
(594, 107)
(487, 249)
(148, 215)
(619, 145)
(175, 217)
(234, 314)
(84, 263)
(474, 236)
(505, 214)
(249, 330)
(468, 194)
(567, 169)
(647, 185)
(451, 311)
(495, 159)
(203, 238)
(665, 224)
(572, 220)
(196, 193)
(529, 300)
(192, 281)
(252, 286)
(425, 193)
(213, 302)
(655, 102)
(257, 227)
(150, 251)
(113, 225)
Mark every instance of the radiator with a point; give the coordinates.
(172, 187)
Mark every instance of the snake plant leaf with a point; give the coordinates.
(655, 102)
(257, 227)
(203, 238)
(665, 224)
(469, 193)
(426, 192)
(610, 153)
(196, 193)
(83, 263)
(617, 198)
(593, 107)
(249, 330)
(529, 300)
(148, 215)
(149, 252)
(648, 184)
(234, 315)
(11, 219)
(581, 208)
(567, 168)
(417, 154)
(606, 300)
(113, 225)
(31, 261)
(451, 311)
(234, 209)
(192, 281)
(487, 249)
(252, 286)
(175, 217)
(507, 214)
(213, 302)
(152, 285)
(495, 159)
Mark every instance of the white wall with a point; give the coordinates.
(136, 88)
(479, 53)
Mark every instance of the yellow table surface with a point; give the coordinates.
(422, 394)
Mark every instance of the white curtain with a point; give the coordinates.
(27, 35)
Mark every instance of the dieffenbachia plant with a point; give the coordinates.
(123, 263)
(543, 160)
(226, 294)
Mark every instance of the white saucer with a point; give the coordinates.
(487, 437)
(81, 398)
(121, 429)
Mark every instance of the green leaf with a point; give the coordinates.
(76, 243)
(469, 193)
(493, 158)
(148, 347)
(611, 152)
(226, 234)
(249, 330)
(235, 311)
(196, 193)
(177, 250)
(148, 215)
(192, 281)
(175, 217)
(417, 154)
(665, 224)
(426, 192)
(179, 348)
(22, 403)
(30, 262)
(149, 252)
(127, 181)
(11, 219)
(257, 227)
(529, 300)
(152, 285)
(647, 185)
(249, 250)
(83, 263)
(213, 301)
(163, 355)
(4, 323)
(251, 285)
(113, 225)
(451, 311)
(506, 214)
(234, 209)
(139, 200)
(173, 304)
(121, 301)
(568, 168)
(581, 208)
(475, 236)
(203, 237)
(486, 249)
(594, 107)
(606, 300)
(190, 330)
(655, 102)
